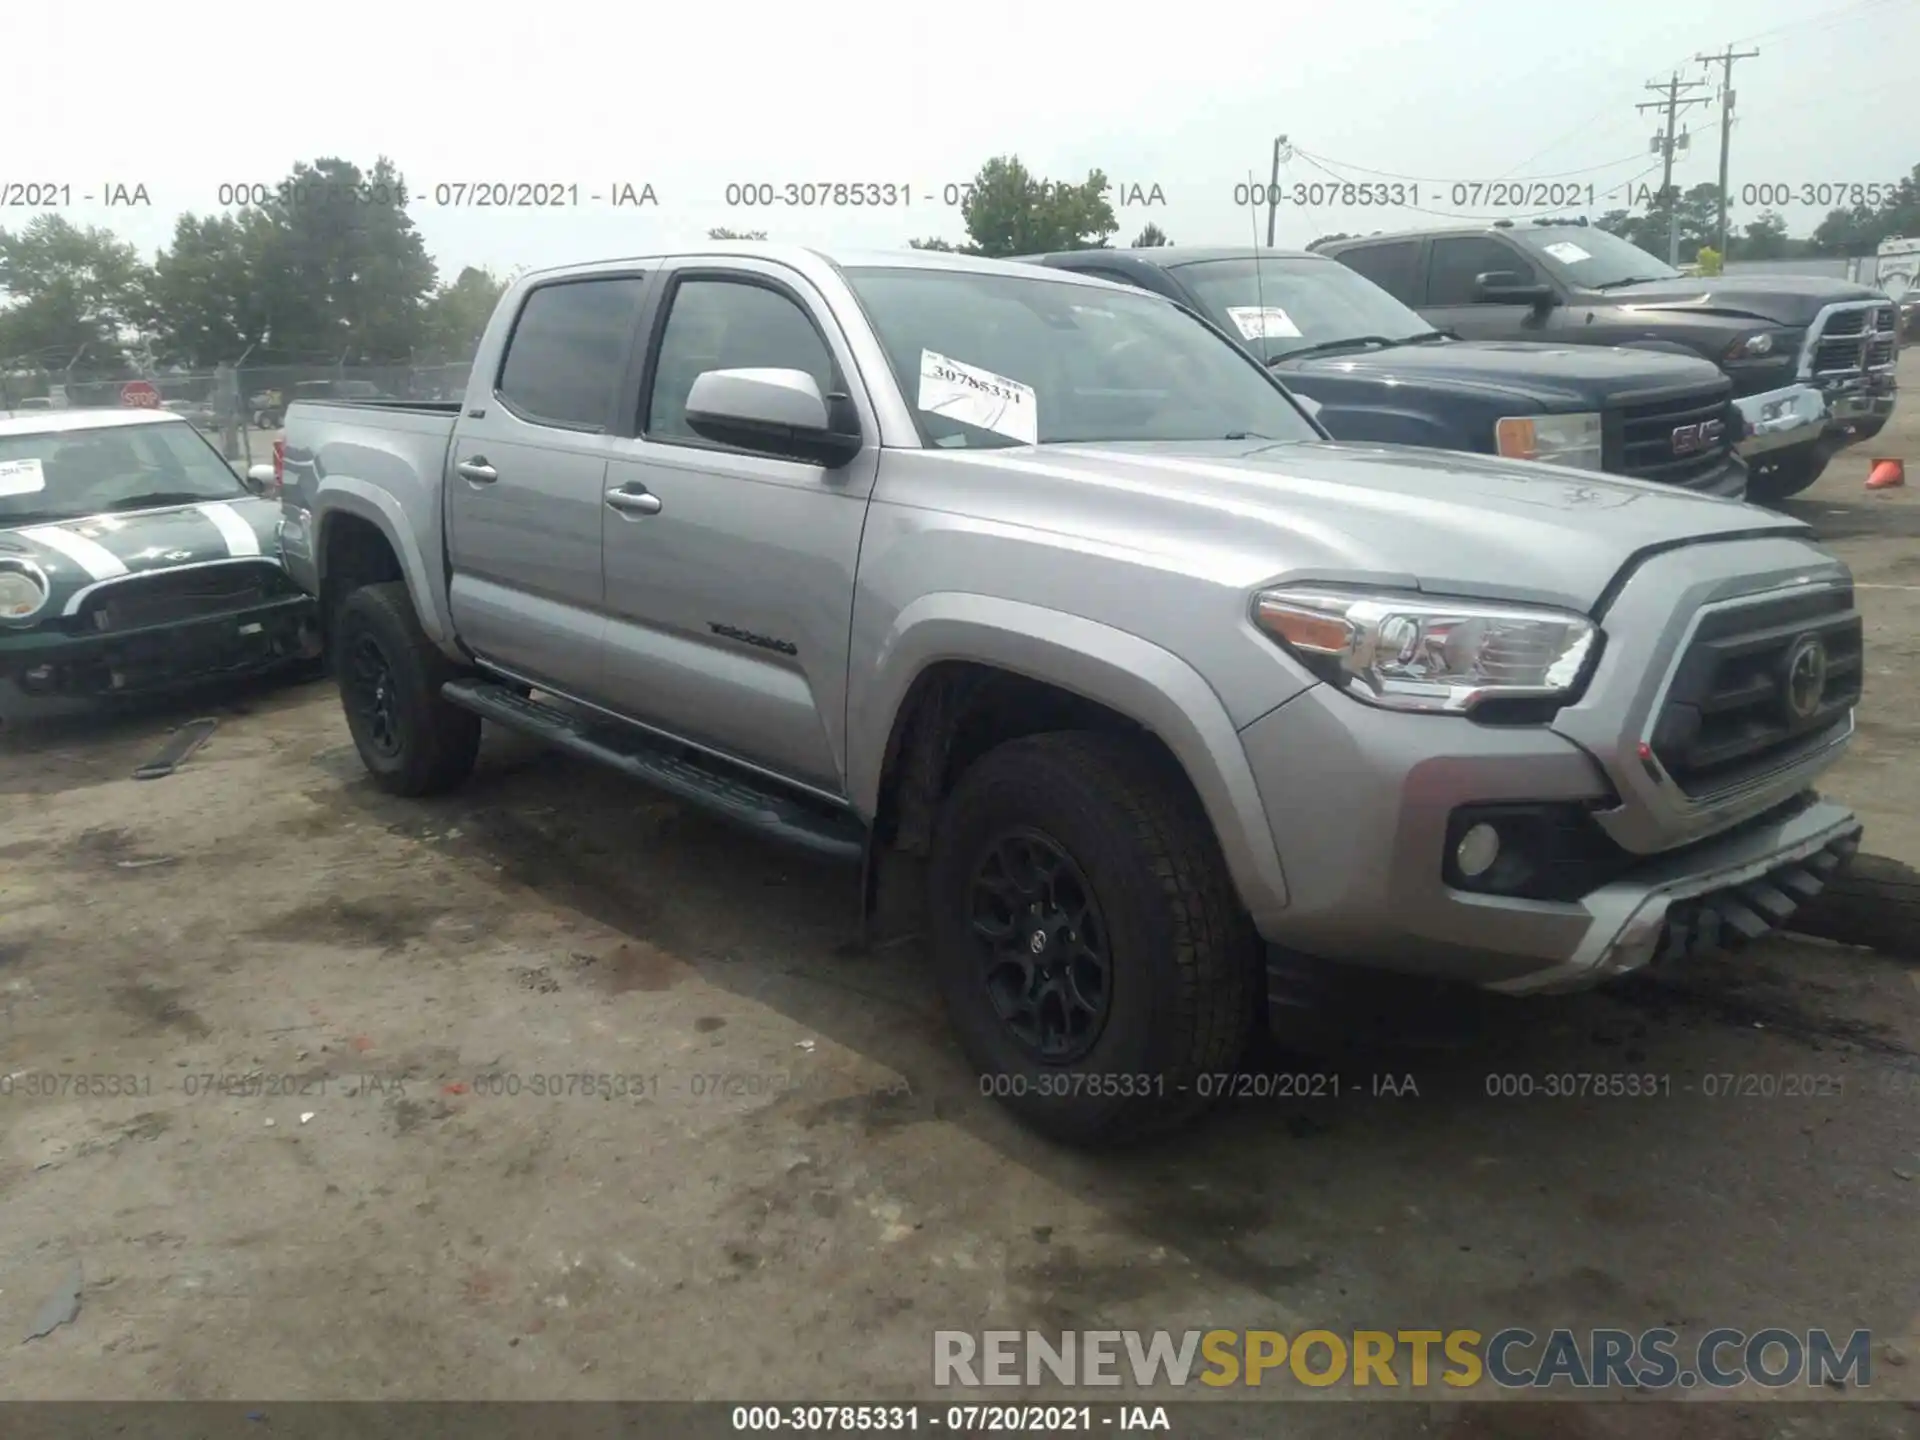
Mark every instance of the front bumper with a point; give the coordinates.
(1776, 419)
(1360, 801)
(1370, 890)
(1723, 892)
(1861, 402)
(50, 664)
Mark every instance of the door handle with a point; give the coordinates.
(477, 470)
(636, 500)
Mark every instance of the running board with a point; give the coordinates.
(683, 773)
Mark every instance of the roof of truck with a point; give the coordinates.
(1477, 227)
(803, 257)
(1169, 257)
(41, 422)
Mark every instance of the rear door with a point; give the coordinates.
(525, 482)
(730, 595)
(1452, 301)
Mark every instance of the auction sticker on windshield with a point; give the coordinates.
(21, 477)
(1263, 322)
(979, 398)
(1567, 252)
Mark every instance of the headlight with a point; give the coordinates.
(1551, 439)
(1762, 345)
(1403, 653)
(22, 593)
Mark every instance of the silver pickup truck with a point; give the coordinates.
(1035, 593)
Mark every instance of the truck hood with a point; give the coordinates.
(1780, 299)
(1555, 377)
(1405, 518)
(76, 553)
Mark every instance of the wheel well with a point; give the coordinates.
(354, 553)
(955, 712)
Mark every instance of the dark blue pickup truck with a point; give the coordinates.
(1377, 372)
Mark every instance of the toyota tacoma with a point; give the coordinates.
(1044, 602)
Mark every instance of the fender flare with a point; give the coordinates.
(345, 495)
(1148, 684)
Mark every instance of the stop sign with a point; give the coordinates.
(141, 393)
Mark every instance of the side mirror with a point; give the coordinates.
(1306, 403)
(1510, 287)
(259, 479)
(774, 412)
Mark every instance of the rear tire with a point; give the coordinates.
(410, 739)
(1179, 956)
(1779, 479)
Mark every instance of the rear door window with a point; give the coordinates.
(568, 351)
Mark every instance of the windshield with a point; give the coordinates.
(66, 474)
(1590, 257)
(997, 360)
(1280, 305)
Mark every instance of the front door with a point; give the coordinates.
(1453, 303)
(729, 575)
(526, 480)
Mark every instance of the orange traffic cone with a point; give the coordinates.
(1886, 474)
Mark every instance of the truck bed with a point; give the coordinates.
(374, 455)
(421, 407)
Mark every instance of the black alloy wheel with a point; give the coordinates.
(367, 681)
(1045, 958)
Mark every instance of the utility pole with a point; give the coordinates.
(1666, 143)
(1726, 58)
(1281, 150)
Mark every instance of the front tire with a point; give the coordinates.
(1093, 956)
(1781, 479)
(410, 739)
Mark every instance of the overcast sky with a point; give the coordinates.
(688, 98)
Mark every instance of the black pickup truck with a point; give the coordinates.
(1375, 372)
(1567, 282)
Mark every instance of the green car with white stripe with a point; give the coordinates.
(134, 559)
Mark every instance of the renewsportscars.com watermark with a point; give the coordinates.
(1512, 1359)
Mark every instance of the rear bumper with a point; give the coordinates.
(52, 665)
(1776, 419)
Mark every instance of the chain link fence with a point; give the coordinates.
(241, 410)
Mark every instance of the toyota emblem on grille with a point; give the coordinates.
(1692, 439)
(1806, 677)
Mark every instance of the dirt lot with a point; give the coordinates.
(783, 1179)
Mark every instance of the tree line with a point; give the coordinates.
(314, 274)
(317, 275)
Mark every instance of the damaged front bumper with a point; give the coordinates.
(52, 664)
(1714, 895)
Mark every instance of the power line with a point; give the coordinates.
(1826, 20)
(1447, 179)
(1447, 214)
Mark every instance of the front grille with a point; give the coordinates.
(1728, 715)
(1673, 441)
(1854, 340)
(171, 596)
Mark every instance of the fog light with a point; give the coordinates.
(1477, 851)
